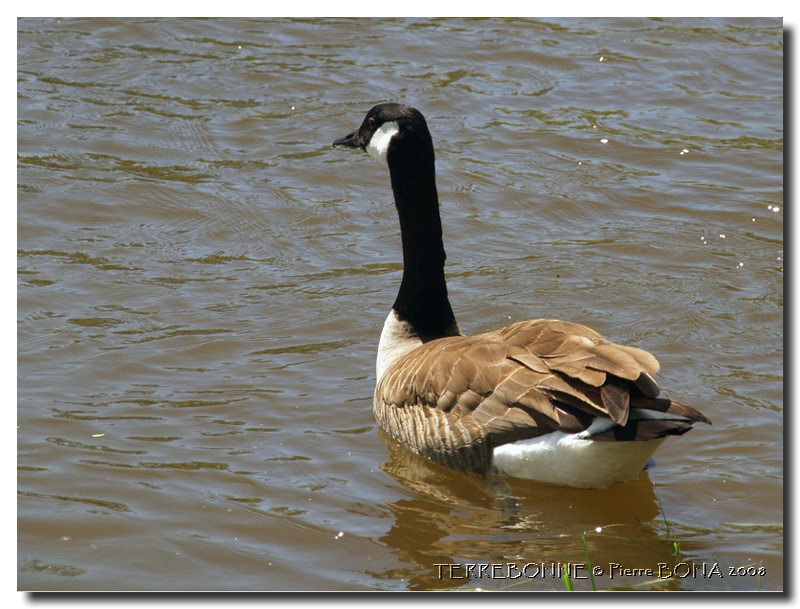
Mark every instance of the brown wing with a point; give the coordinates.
(456, 398)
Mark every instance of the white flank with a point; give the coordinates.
(378, 146)
(573, 460)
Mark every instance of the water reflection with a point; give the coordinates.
(525, 531)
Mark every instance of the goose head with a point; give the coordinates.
(391, 131)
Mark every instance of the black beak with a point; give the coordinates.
(348, 141)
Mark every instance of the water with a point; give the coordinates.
(202, 280)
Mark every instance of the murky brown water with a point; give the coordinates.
(202, 282)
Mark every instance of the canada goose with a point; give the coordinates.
(546, 400)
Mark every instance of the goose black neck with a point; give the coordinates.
(422, 299)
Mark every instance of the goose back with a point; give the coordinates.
(456, 399)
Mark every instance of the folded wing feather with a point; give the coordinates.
(474, 393)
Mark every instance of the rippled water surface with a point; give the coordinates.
(202, 281)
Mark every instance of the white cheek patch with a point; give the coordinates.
(378, 146)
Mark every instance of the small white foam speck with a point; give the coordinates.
(604, 141)
(776, 208)
(602, 59)
(721, 236)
